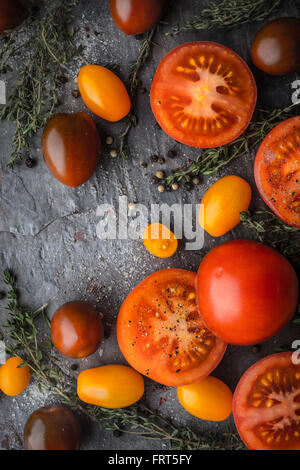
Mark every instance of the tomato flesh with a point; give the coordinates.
(266, 404)
(161, 332)
(203, 94)
(277, 171)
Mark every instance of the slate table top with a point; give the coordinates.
(48, 231)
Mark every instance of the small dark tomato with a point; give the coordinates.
(52, 428)
(276, 47)
(76, 329)
(12, 13)
(136, 16)
(71, 147)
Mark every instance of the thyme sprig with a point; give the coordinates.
(136, 66)
(228, 14)
(35, 96)
(269, 229)
(22, 338)
(210, 161)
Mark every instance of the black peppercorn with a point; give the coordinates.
(256, 348)
(161, 160)
(155, 180)
(30, 163)
(154, 158)
(172, 153)
(76, 93)
(139, 37)
(74, 367)
(168, 189)
(188, 186)
(2, 295)
(144, 165)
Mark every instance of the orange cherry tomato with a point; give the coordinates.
(103, 92)
(203, 94)
(136, 16)
(14, 379)
(12, 13)
(266, 404)
(71, 147)
(223, 203)
(113, 386)
(161, 333)
(277, 171)
(76, 329)
(209, 399)
(52, 428)
(160, 241)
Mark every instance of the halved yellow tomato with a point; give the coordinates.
(160, 241)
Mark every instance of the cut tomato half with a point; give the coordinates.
(161, 332)
(277, 171)
(203, 94)
(266, 404)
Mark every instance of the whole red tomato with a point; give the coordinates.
(136, 16)
(275, 48)
(71, 147)
(52, 428)
(12, 13)
(76, 329)
(246, 291)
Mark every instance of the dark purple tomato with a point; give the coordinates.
(76, 329)
(71, 147)
(276, 47)
(136, 16)
(12, 13)
(52, 428)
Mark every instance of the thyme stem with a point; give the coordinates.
(228, 14)
(21, 339)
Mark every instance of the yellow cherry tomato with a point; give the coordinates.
(223, 203)
(103, 92)
(209, 399)
(14, 380)
(112, 386)
(160, 241)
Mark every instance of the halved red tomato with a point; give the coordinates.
(203, 94)
(266, 404)
(277, 171)
(161, 332)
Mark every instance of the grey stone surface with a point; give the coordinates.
(48, 231)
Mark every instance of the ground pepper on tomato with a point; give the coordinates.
(277, 171)
(161, 333)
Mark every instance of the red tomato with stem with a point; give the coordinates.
(246, 291)
(266, 404)
(203, 94)
(136, 16)
(277, 171)
(161, 333)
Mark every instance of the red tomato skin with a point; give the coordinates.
(12, 13)
(246, 291)
(279, 132)
(71, 147)
(210, 143)
(240, 397)
(136, 16)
